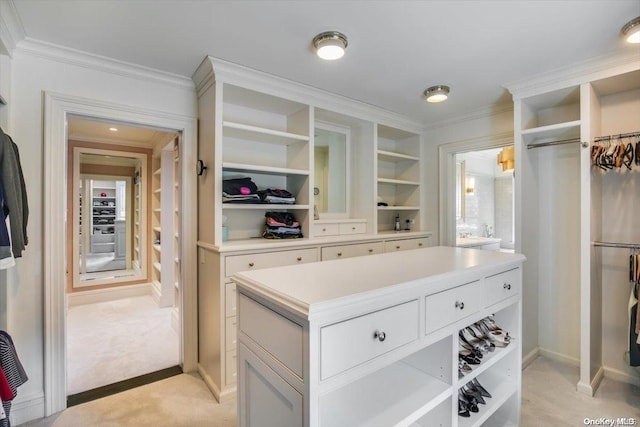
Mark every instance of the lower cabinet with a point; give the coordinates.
(393, 364)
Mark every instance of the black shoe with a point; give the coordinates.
(476, 385)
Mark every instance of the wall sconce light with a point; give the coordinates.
(506, 159)
(330, 45)
(437, 93)
(470, 185)
(631, 31)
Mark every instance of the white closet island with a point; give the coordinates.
(374, 340)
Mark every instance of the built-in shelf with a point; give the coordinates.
(157, 229)
(390, 156)
(556, 131)
(398, 208)
(396, 181)
(256, 133)
(263, 206)
(157, 171)
(499, 395)
(239, 167)
(157, 266)
(157, 247)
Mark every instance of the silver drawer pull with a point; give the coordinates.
(460, 305)
(339, 253)
(251, 264)
(379, 335)
(299, 258)
(507, 286)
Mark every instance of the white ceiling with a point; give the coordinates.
(396, 48)
(97, 131)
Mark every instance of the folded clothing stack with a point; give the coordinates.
(240, 190)
(281, 225)
(277, 195)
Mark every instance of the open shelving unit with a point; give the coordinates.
(156, 235)
(103, 215)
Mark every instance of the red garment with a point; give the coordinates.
(5, 391)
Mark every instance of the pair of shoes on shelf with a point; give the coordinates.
(469, 396)
(490, 329)
(474, 336)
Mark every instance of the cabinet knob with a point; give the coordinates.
(379, 335)
(324, 229)
(339, 253)
(370, 250)
(299, 258)
(353, 228)
(397, 247)
(460, 305)
(251, 264)
(419, 244)
(507, 286)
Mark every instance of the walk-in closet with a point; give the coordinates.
(579, 176)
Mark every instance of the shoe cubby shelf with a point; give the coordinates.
(374, 365)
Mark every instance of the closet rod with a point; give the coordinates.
(561, 142)
(616, 245)
(619, 136)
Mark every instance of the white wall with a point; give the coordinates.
(33, 73)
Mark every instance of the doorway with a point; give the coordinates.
(119, 326)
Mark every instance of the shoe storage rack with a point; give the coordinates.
(384, 351)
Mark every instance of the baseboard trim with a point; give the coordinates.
(618, 375)
(27, 408)
(108, 294)
(209, 382)
(559, 357)
(530, 357)
(120, 386)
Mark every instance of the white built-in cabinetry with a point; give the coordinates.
(576, 295)
(374, 340)
(103, 215)
(255, 125)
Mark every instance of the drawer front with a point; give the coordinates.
(352, 342)
(230, 299)
(491, 247)
(236, 263)
(275, 333)
(230, 334)
(405, 244)
(353, 228)
(502, 286)
(231, 368)
(326, 230)
(348, 251)
(451, 305)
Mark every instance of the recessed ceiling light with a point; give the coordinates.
(113, 129)
(330, 45)
(437, 93)
(631, 31)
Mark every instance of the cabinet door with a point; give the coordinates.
(265, 399)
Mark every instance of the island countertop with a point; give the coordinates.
(312, 288)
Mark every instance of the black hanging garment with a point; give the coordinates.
(13, 371)
(15, 193)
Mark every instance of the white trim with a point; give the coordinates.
(530, 358)
(618, 62)
(26, 408)
(621, 376)
(447, 180)
(11, 28)
(56, 108)
(559, 357)
(66, 55)
(108, 294)
(481, 113)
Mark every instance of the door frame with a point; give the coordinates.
(56, 109)
(447, 178)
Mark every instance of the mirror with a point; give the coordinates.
(331, 157)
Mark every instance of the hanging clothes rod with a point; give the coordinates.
(616, 245)
(561, 142)
(619, 136)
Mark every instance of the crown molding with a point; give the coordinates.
(95, 62)
(614, 63)
(481, 113)
(11, 29)
(215, 69)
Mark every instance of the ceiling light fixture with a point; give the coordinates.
(113, 129)
(437, 93)
(631, 31)
(330, 45)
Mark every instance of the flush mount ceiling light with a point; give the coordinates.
(113, 129)
(437, 93)
(631, 31)
(330, 45)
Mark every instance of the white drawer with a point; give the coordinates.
(275, 333)
(352, 342)
(230, 299)
(353, 228)
(502, 286)
(491, 246)
(326, 230)
(348, 251)
(230, 334)
(236, 263)
(451, 305)
(231, 367)
(405, 244)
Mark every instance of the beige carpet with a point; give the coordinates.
(112, 341)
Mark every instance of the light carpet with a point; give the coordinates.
(116, 340)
